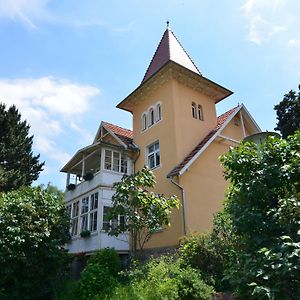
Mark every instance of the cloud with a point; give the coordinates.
(263, 17)
(32, 12)
(49, 105)
(294, 42)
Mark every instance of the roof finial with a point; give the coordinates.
(168, 24)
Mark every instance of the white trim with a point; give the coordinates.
(239, 108)
(119, 140)
(250, 117)
(243, 125)
(228, 138)
(209, 141)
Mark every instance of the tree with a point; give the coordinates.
(19, 165)
(264, 204)
(33, 231)
(288, 113)
(52, 189)
(145, 211)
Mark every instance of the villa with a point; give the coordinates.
(176, 133)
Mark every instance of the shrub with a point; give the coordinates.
(100, 274)
(211, 253)
(165, 278)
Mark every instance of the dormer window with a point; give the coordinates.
(200, 113)
(151, 117)
(158, 110)
(144, 121)
(194, 110)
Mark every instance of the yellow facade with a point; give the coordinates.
(175, 88)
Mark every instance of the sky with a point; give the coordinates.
(66, 64)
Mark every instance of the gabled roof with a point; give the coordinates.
(222, 121)
(169, 49)
(123, 134)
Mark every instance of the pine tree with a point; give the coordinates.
(19, 167)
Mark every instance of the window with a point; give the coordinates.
(106, 223)
(153, 155)
(144, 121)
(84, 213)
(115, 161)
(200, 113)
(151, 117)
(93, 212)
(158, 110)
(74, 218)
(194, 113)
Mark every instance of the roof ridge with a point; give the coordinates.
(220, 121)
(155, 54)
(117, 126)
(185, 51)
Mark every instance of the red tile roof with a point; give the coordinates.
(125, 135)
(169, 48)
(220, 121)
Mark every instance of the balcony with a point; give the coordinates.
(104, 178)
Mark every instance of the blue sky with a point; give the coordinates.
(66, 64)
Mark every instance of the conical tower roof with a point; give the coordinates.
(168, 49)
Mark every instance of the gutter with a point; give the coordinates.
(183, 204)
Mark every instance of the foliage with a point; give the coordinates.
(85, 233)
(100, 274)
(211, 253)
(33, 230)
(264, 204)
(19, 165)
(145, 211)
(288, 113)
(52, 189)
(165, 278)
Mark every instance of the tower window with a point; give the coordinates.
(158, 108)
(200, 112)
(151, 117)
(144, 121)
(194, 110)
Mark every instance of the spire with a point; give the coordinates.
(168, 49)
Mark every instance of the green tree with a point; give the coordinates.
(19, 165)
(288, 113)
(52, 189)
(264, 205)
(145, 211)
(33, 231)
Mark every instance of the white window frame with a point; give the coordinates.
(75, 218)
(200, 112)
(155, 156)
(194, 110)
(121, 159)
(151, 117)
(84, 215)
(158, 112)
(93, 211)
(144, 121)
(110, 223)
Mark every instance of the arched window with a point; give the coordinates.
(158, 110)
(151, 117)
(200, 113)
(144, 121)
(194, 112)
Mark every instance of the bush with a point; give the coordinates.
(211, 253)
(164, 278)
(100, 274)
(33, 231)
